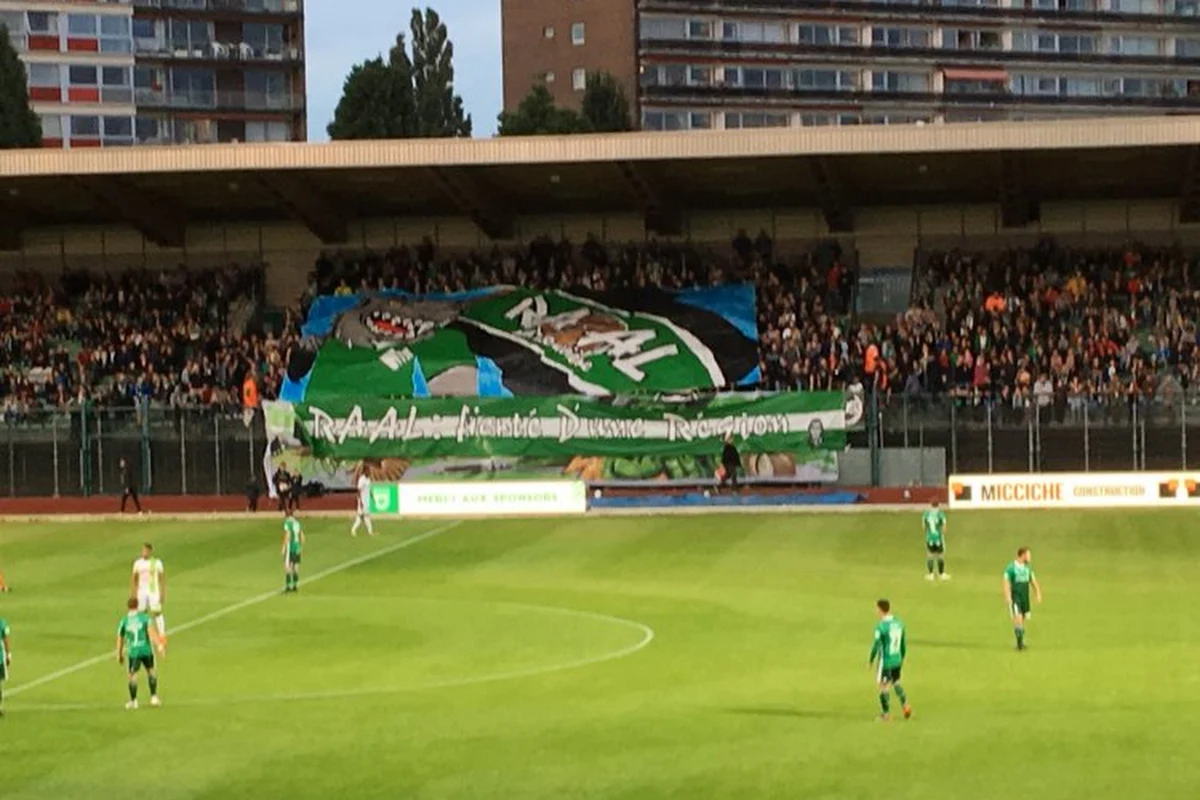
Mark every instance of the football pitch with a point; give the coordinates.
(718, 656)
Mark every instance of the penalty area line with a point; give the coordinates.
(239, 606)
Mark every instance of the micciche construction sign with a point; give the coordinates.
(1075, 489)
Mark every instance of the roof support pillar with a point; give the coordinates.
(660, 214)
(158, 220)
(831, 193)
(324, 218)
(485, 207)
(1017, 208)
(1189, 191)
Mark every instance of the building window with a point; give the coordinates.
(82, 76)
(900, 37)
(118, 128)
(264, 40)
(701, 120)
(756, 119)
(267, 132)
(578, 33)
(85, 126)
(115, 34)
(700, 76)
(668, 27)
(52, 126)
(700, 29)
(147, 129)
(548, 32)
(579, 79)
(44, 75)
(548, 77)
(42, 22)
(81, 24)
(887, 81)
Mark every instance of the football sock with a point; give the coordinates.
(941, 566)
(1020, 632)
(133, 689)
(370, 532)
(884, 702)
(161, 622)
(929, 565)
(153, 685)
(296, 582)
(354, 527)
(900, 693)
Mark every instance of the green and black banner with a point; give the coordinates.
(780, 436)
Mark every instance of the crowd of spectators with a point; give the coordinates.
(1044, 327)
(117, 339)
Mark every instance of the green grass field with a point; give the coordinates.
(514, 659)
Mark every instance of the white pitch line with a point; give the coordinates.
(247, 603)
(527, 672)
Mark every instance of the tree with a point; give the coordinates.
(538, 116)
(403, 97)
(19, 126)
(439, 109)
(605, 107)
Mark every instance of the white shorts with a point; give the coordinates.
(364, 507)
(149, 601)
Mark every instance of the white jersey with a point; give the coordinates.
(364, 494)
(149, 572)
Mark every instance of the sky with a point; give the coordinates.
(342, 33)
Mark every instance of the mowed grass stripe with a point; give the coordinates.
(234, 608)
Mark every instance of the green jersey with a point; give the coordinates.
(890, 644)
(135, 630)
(3, 637)
(934, 522)
(291, 527)
(1019, 577)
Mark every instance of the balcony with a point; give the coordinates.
(243, 52)
(218, 100)
(240, 7)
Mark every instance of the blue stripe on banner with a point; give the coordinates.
(733, 303)
(490, 382)
(420, 386)
(294, 391)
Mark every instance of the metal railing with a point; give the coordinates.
(206, 99)
(240, 6)
(77, 452)
(1056, 434)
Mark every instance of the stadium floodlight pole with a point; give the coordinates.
(217, 448)
(54, 445)
(1133, 430)
(1183, 433)
(183, 454)
(1087, 440)
(990, 443)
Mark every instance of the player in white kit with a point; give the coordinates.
(363, 513)
(149, 585)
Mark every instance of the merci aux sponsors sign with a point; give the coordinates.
(1075, 490)
(475, 498)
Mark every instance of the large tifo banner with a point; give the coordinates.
(508, 341)
(1075, 490)
(785, 436)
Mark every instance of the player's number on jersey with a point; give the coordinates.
(894, 637)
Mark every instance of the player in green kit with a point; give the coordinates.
(137, 638)
(293, 545)
(5, 658)
(890, 646)
(1018, 577)
(934, 523)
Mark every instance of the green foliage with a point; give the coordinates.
(404, 97)
(605, 107)
(19, 126)
(538, 116)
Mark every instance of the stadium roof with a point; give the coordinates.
(159, 191)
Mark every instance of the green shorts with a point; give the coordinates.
(1020, 605)
(293, 558)
(3, 671)
(138, 662)
(935, 548)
